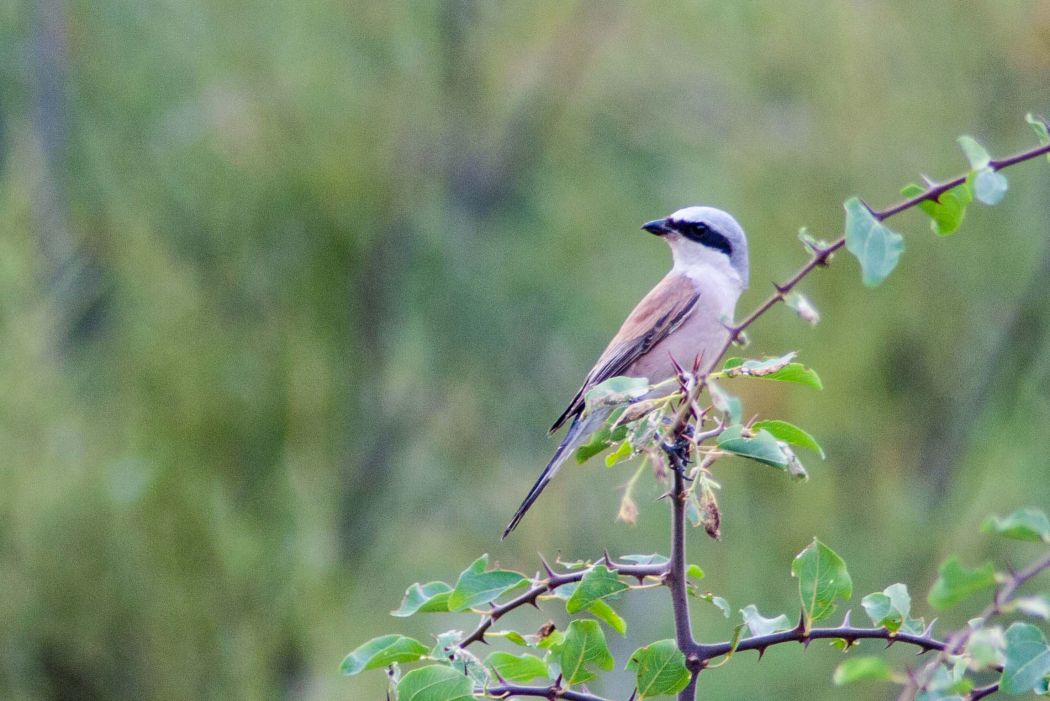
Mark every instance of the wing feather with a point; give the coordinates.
(658, 314)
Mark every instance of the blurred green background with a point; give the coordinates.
(289, 293)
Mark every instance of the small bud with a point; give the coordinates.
(628, 511)
(802, 306)
(638, 410)
(794, 466)
(812, 245)
(710, 516)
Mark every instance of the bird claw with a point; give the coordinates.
(679, 454)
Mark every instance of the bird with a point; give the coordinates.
(685, 316)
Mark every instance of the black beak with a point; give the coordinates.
(658, 227)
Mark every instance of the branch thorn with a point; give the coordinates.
(801, 627)
(679, 372)
(546, 566)
(731, 328)
(845, 619)
(929, 629)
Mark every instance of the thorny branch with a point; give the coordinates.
(821, 257)
(509, 691)
(851, 634)
(698, 655)
(954, 645)
(552, 582)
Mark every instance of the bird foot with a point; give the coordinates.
(679, 454)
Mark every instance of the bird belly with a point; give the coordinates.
(689, 342)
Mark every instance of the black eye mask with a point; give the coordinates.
(702, 233)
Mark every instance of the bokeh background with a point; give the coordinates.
(290, 291)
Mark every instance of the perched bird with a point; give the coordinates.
(683, 317)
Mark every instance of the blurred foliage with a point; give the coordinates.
(290, 291)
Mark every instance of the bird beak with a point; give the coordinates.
(658, 227)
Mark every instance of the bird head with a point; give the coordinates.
(698, 233)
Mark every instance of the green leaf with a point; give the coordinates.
(597, 583)
(985, 647)
(947, 211)
(615, 391)
(890, 609)
(1040, 129)
(761, 446)
(759, 625)
(653, 559)
(1037, 606)
(989, 186)
(659, 669)
(955, 583)
(780, 369)
(811, 244)
(511, 635)
(604, 612)
(1023, 524)
(424, 598)
(598, 442)
(1027, 659)
(383, 652)
(730, 406)
(445, 643)
(435, 683)
(797, 373)
(694, 571)
(624, 452)
(476, 586)
(718, 602)
(517, 668)
(976, 154)
(584, 645)
(862, 668)
(947, 684)
(822, 578)
(552, 641)
(603, 437)
(692, 510)
(789, 433)
(758, 368)
(876, 247)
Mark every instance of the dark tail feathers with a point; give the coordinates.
(563, 451)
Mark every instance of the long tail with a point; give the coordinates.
(579, 430)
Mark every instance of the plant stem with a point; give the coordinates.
(675, 578)
(509, 691)
(553, 581)
(676, 572)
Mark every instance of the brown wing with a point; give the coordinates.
(658, 314)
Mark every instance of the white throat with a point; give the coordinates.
(701, 262)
